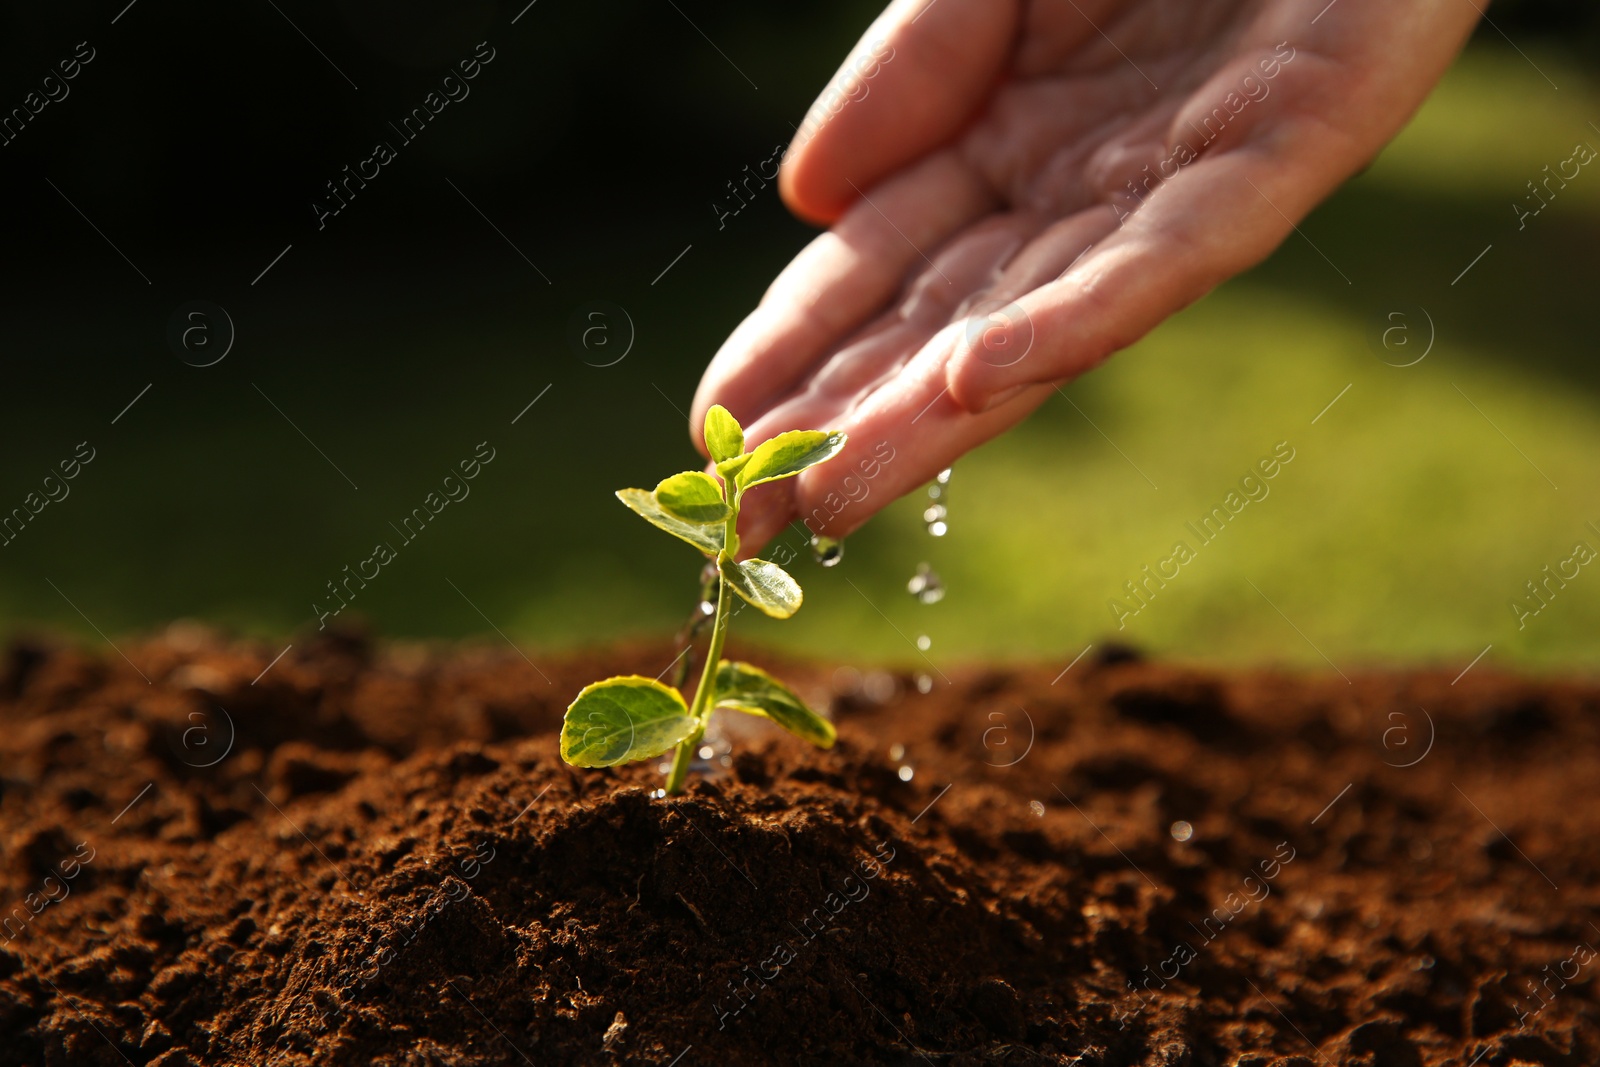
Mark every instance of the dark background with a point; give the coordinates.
(409, 329)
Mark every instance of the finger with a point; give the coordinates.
(838, 282)
(909, 424)
(899, 438)
(1221, 215)
(909, 86)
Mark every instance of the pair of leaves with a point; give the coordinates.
(692, 506)
(633, 717)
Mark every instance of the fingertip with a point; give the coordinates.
(805, 196)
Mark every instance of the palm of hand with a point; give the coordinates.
(1025, 187)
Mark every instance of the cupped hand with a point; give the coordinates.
(1019, 188)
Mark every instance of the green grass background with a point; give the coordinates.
(1400, 532)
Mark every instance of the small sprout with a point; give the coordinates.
(632, 717)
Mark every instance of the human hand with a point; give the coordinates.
(1027, 186)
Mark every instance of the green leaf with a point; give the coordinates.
(693, 496)
(788, 454)
(730, 468)
(707, 538)
(751, 689)
(622, 719)
(766, 585)
(724, 435)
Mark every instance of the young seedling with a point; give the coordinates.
(632, 717)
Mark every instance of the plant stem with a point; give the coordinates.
(701, 707)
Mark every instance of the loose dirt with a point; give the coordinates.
(372, 855)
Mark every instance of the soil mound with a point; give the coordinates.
(373, 856)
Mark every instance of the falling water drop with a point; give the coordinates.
(906, 773)
(897, 752)
(1182, 831)
(938, 529)
(943, 477)
(924, 683)
(827, 551)
(925, 585)
(1036, 807)
(924, 642)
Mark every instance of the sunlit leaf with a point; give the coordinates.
(766, 585)
(788, 454)
(623, 719)
(707, 538)
(724, 435)
(751, 689)
(693, 496)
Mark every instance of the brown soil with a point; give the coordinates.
(389, 865)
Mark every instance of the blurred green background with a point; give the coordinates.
(1415, 509)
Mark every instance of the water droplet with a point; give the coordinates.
(935, 512)
(924, 683)
(1424, 963)
(906, 773)
(1036, 807)
(827, 551)
(706, 752)
(935, 491)
(880, 687)
(925, 585)
(1182, 831)
(897, 752)
(658, 794)
(943, 477)
(938, 529)
(707, 608)
(924, 642)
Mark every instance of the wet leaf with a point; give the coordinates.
(766, 585)
(724, 435)
(707, 538)
(693, 496)
(751, 689)
(788, 454)
(621, 719)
